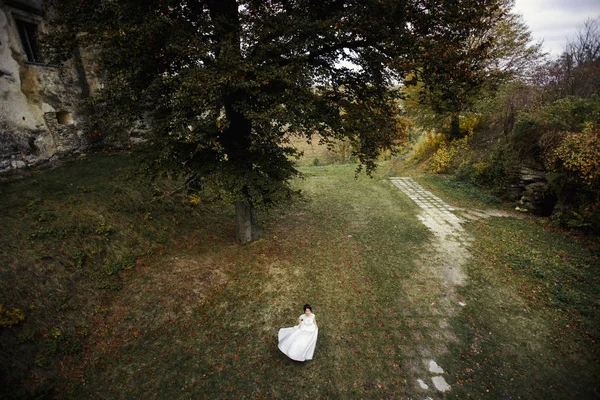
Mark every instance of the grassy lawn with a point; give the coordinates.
(532, 327)
(128, 298)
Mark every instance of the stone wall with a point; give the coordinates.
(534, 192)
(39, 121)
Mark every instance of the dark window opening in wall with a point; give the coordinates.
(29, 38)
(64, 118)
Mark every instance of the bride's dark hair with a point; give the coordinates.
(307, 306)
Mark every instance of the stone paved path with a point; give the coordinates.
(451, 240)
(441, 272)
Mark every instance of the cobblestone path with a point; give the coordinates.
(432, 290)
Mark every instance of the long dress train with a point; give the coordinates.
(299, 343)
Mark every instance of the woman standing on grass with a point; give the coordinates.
(299, 342)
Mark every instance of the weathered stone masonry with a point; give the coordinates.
(38, 102)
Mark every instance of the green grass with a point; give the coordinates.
(224, 344)
(69, 232)
(127, 298)
(533, 323)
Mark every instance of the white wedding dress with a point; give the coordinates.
(299, 342)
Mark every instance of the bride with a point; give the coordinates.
(299, 342)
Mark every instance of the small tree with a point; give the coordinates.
(472, 57)
(222, 84)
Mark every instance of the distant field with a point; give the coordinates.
(130, 298)
(315, 153)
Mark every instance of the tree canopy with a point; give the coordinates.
(468, 58)
(221, 84)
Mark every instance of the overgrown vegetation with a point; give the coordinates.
(547, 120)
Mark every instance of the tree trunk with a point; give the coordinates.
(236, 138)
(246, 229)
(454, 127)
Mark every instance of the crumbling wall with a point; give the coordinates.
(39, 121)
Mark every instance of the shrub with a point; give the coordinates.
(469, 123)
(498, 169)
(341, 151)
(578, 156)
(446, 158)
(427, 146)
(9, 317)
(574, 165)
(536, 130)
(442, 159)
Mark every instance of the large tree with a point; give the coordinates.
(221, 84)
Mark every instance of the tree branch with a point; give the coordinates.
(187, 184)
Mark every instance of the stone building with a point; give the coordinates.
(38, 102)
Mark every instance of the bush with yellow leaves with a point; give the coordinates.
(578, 156)
(428, 146)
(574, 165)
(9, 317)
(194, 199)
(445, 159)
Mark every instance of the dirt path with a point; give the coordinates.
(441, 272)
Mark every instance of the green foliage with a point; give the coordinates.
(112, 266)
(498, 108)
(537, 129)
(215, 87)
(574, 165)
(563, 135)
(548, 120)
(578, 156)
(10, 317)
(454, 70)
(497, 169)
(571, 114)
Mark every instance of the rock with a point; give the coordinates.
(514, 192)
(529, 175)
(435, 368)
(18, 164)
(538, 198)
(440, 383)
(533, 192)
